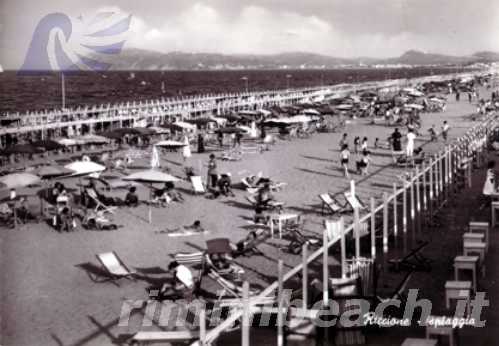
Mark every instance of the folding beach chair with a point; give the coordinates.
(228, 287)
(249, 245)
(399, 295)
(114, 266)
(331, 203)
(272, 205)
(197, 184)
(413, 261)
(218, 257)
(294, 232)
(175, 336)
(98, 204)
(354, 201)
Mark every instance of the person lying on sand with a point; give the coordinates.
(195, 227)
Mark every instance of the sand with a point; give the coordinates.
(49, 298)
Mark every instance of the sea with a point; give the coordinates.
(43, 90)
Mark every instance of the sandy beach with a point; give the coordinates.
(50, 299)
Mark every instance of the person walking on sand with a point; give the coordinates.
(445, 130)
(363, 146)
(212, 172)
(344, 156)
(343, 141)
(433, 133)
(411, 137)
(356, 144)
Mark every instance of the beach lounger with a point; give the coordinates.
(218, 258)
(331, 203)
(354, 201)
(413, 261)
(114, 266)
(190, 259)
(197, 184)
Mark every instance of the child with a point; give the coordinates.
(363, 147)
(363, 163)
(344, 156)
(356, 143)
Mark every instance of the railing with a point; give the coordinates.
(428, 185)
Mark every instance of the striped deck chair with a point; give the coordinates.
(197, 184)
(228, 287)
(354, 201)
(98, 204)
(331, 203)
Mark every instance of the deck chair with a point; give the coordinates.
(331, 203)
(249, 245)
(228, 287)
(294, 232)
(197, 184)
(398, 294)
(114, 266)
(221, 247)
(413, 261)
(98, 204)
(272, 205)
(175, 336)
(354, 201)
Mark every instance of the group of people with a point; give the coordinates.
(362, 152)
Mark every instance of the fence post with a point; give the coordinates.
(430, 201)
(325, 274)
(305, 276)
(356, 231)
(385, 227)
(373, 228)
(404, 214)
(343, 247)
(395, 216)
(418, 201)
(246, 316)
(425, 187)
(280, 317)
(202, 327)
(413, 210)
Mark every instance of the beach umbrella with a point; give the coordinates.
(201, 121)
(52, 171)
(22, 149)
(48, 144)
(300, 119)
(311, 111)
(112, 135)
(344, 106)
(158, 130)
(68, 142)
(170, 144)
(185, 126)
(84, 167)
(230, 129)
(92, 139)
(16, 180)
(151, 176)
(414, 106)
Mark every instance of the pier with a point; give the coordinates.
(88, 119)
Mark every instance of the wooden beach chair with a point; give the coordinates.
(197, 184)
(331, 203)
(114, 266)
(413, 261)
(354, 201)
(228, 286)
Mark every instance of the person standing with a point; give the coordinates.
(200, 143)
(344, 156)
(411, 137)
(363, 146)
(489, 187)
(186, 150)
(356, 143)
(212, 171)
(343, 141)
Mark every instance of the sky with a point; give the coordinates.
(341, 28)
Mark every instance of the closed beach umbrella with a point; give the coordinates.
(16, 180)
(84, 167)
(155, 163)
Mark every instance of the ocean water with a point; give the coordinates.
(43, 90)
